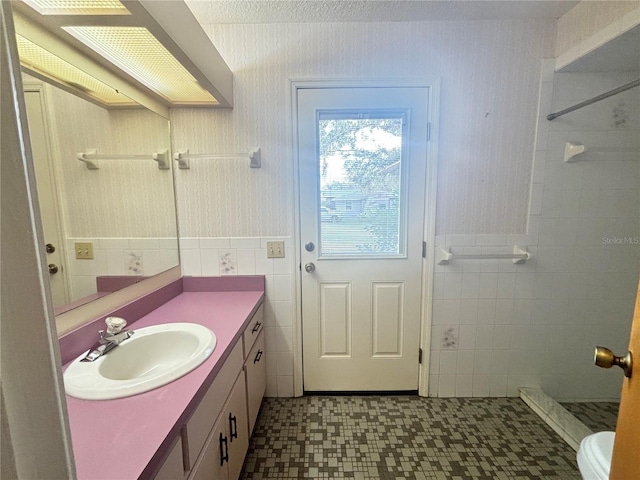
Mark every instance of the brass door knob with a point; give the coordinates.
(603, 357)
(53, 268)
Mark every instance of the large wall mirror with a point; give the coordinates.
(97, 109)
(109, 215)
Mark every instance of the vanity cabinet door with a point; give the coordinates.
(238, 427)
(212, 464)
(212, 405)
(224, 451)
(173, 466)
(256, 369)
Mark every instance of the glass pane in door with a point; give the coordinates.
(361, 202)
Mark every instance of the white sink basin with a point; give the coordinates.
(152, 357)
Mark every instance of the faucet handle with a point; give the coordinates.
(115, 324)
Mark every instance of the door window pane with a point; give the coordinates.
(361, 179)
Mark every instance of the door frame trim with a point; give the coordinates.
(433, 85)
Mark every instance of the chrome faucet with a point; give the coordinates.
(114, 336)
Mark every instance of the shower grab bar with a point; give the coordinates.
(520, 255)
(184, 156)
(611, 93)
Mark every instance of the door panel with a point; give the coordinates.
(625, 463)
(47, 198)
(388, 319)
(362, 164)
(335, 319)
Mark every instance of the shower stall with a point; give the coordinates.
(587, 185)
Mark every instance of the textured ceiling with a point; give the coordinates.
(301, 11)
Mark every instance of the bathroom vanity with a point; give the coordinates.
(197, 426)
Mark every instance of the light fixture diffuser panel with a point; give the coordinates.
(136, 51)
(78, 7)
(37, 59)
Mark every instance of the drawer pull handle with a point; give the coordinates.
(224, 452)
(256, 327)
(258, 356)
(233, 427)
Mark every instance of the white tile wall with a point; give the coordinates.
(248, 256)
(536, 324)
(118, 256)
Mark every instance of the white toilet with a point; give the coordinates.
(594, 456)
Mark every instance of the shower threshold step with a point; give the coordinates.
(570, 429)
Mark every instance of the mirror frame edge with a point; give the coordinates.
(41, 403)
(81, 315)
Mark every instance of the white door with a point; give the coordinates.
(362, 163)
(47, 198)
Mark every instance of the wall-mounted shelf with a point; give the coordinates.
(183, 157)
(91, 156)
(519, 255)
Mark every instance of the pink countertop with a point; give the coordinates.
(129, 438)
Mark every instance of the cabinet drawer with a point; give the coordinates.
(256, 370)
(253, 330)
(200, 423)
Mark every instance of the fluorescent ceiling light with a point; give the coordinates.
(39, 61)
(78, 7)
(136, 51)
(155, 52)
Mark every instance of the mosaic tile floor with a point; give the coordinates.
(399, 437)
(598, 416)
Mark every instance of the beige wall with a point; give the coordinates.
(490, 74)
(588, 18)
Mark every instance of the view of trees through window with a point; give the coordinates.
(360, 167)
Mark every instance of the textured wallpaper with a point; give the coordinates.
(124, 198)
(490, 74)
